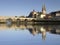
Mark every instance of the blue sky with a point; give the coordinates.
(24, 7)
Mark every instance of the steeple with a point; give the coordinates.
(43, 9)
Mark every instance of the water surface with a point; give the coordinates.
(29, 34)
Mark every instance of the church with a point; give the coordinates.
(39, 15)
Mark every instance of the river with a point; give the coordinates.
(29, 34)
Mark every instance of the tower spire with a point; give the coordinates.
(43, 9)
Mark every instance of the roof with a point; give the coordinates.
(55, 12)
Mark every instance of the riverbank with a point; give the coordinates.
(34, 23)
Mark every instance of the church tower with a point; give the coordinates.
(43, 15)
(43, 9)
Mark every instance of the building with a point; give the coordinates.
(41, 14)
(33, 14)
(55, 15)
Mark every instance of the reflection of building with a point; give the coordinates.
(38, 29)
(55, 31)
(33, 29)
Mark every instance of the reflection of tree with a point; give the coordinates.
(9, 22)
(18, 22)
(9, 19)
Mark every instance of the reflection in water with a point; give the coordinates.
(34, 29)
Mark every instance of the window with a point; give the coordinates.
(57, 14)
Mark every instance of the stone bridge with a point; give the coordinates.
(14, 19)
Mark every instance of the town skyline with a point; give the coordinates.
(24, 7)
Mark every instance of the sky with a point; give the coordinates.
(24, 7)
